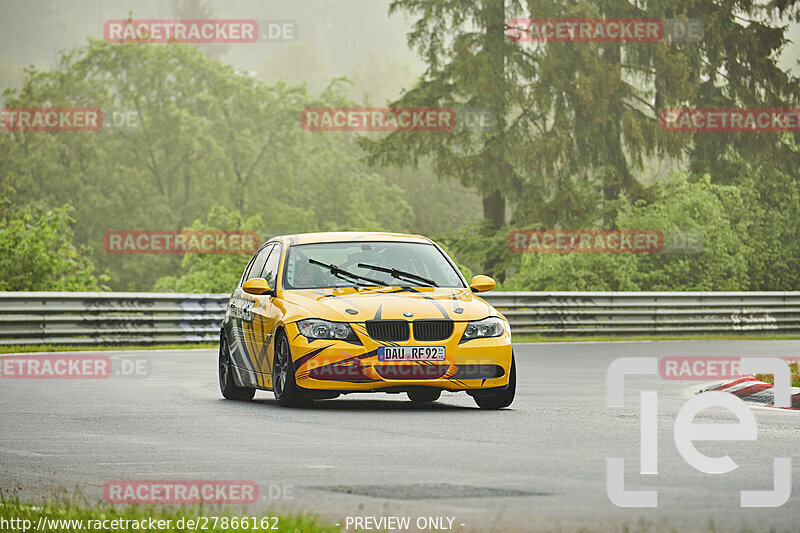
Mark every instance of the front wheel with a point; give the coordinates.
(227, 386)
(502, 398)
(284, 386)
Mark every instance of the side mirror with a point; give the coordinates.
(481, 283)
(256, 286)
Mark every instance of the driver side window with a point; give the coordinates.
(257, 265)
(271, 267)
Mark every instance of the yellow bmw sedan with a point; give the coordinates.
(322, 314)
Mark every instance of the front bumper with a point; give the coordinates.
(332, 365)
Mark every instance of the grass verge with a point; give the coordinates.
(64, 515)
(770, 378)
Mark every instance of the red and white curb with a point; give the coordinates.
(751, 390)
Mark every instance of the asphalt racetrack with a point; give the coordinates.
(539, 465)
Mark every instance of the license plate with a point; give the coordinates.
(411, 353)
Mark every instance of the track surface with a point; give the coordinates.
(552, 444)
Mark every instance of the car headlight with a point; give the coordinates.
(488, 327)
(314, 328)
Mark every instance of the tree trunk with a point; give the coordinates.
(494, 202)
(494, 208)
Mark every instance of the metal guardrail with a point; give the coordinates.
(603, 313)
(109, 317)
(147, 318)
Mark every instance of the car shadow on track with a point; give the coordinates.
(346, 404)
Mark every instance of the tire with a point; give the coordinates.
(287, 393)
(227, 386)
(502, 398)
(424, 395)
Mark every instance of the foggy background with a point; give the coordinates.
(353, 38)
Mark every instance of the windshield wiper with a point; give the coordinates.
(338, 272)
(399, 274)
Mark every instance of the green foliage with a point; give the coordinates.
(470, 64)
(678, 206)
(770, 220)
(577, 121)
(682, 207)
(70, 514)
(473, 245)
(576, 139)
(794, 370)
(212, 272)
(204, 134)
(37, 251)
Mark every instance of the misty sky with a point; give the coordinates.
(336, 35)
(341, 33)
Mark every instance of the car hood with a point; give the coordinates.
(358, 304)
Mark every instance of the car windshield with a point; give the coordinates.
(412, 264)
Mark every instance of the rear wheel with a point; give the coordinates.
(287, 393)
(502, 398)
(424, 395)
(227, 386)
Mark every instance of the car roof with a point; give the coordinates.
(348, 236)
